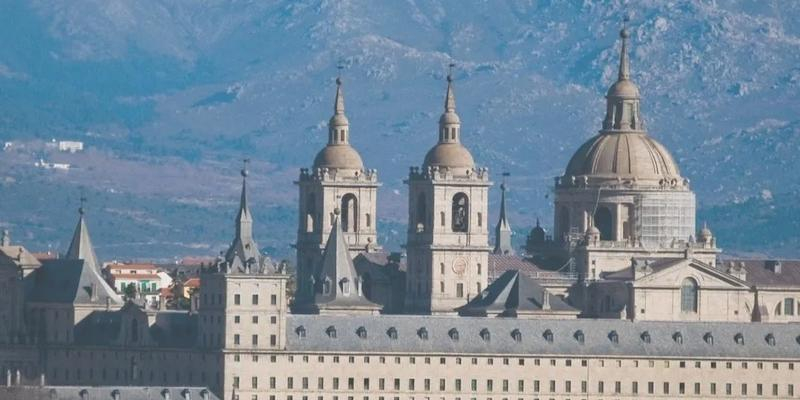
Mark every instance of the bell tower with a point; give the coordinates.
(448, 237)
(337, 180)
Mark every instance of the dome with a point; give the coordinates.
(451, 155)
(341, 156)
(623, 88)
(449, 118)
(623, 155)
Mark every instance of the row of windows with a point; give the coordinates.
(552, 362)
(521, 386)
(237, 339)
(547, 335)
(210, 299)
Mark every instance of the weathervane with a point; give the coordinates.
(83, 202)
(245, 162)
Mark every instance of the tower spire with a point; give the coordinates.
(339, 126)
(503, 229)
(624, 63)
(80, 248)
(449, 122)
(244, 221)
(243, 254)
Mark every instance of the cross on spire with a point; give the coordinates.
(624, 63)
(81, 209)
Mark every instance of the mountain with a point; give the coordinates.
(170, 96)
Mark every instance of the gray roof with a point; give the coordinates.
(337, 270)
(81, 246)
(243, 255)
(597, 334)
(512, 294)
(759, 272)
(104, 393)
(72, 282)
(539, 270)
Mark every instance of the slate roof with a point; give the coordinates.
(514, 293)
(759, 273)
(172, 328)
(103, 392)
(71, 282)
(81, 246)
(500, 263)
(598, 337)
(18, 256)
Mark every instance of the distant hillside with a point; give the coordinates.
(170, 96)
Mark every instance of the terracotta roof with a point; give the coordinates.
(760, 272)
(46, 256)
(140, 277)
(192, 282)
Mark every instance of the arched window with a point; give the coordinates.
(689, 295)
(349, 213)
(453, 333)
(392, 333)
(738, 339)
(604, 222)
(361, 332)
(134, 330)
(460, 217)
(420, 213)
(485, 335)
(788, 306)
(311, 211)
(516, 335)
(548, 336)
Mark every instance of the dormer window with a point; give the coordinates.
(548, 336)
(516, 335)
(580, 337)
(709, 338)
(326, 286)
(361, 332)
(678, 337)
(422, 333)
(485, 335)
(613, 336)
(301, 331)
(770, 339)
(331, 332)
(645, 337)
(345, 285)
(453, 333)
(739, 339)
(392, 333)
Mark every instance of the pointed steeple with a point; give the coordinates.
(244, 221)
(622, 99)
(502, 232)
(243, 254)
(449, 122)
(340, 287)
(339, 126)
(81, 246)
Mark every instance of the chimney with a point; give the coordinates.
(6, 238)
(545, 300)
(774, 266)
(41, 379)
(8, 378)
(19, 378)
(93, 294)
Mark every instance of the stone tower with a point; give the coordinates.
(502, 231)
(448, 240)
(337, 180)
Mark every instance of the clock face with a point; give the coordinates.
(459, 266)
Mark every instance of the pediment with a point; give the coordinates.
(705, 275)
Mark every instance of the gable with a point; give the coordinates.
(707, 277)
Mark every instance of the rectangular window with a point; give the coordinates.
(489, 385)
(442, 385)
(235, 382)
(617, 387)
(568, 386)
(552, 386)
(305, 383)
(505, 385)
(366, 383)
(411, 385)
(381, 384)
(459, 290)
(520, 386)
(474, 385)
(237, 299)
(255, 299)
(635, 387)
(458, 385)
(697, 388)
(335, 383)
(235, 319)
(666, 387)
(254, 382)
(790, 390)
(584, 386)
(650, 387)
(427, 384)
(236, 339)
(396, 384)
(682, 388)
(320, 383)
(728, 389)
(774, 389)
(759, 389)
(272, 382)
(273, 299)
(744, 389)
(255, 340)
(255, 319)
(273, 340)
(351, 383)
(290, 383)
(712, 388)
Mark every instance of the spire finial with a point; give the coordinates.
(537, 222)
(450, 99)
(338, 106)
(244, 171)
(624, 63)
(81, 209)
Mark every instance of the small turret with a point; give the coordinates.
(6, 241)
(503, 231)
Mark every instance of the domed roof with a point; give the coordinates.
(626, 155)
(451, 155)
(341, 156)
(623, 88)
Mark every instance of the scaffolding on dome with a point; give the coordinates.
(665, 218)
